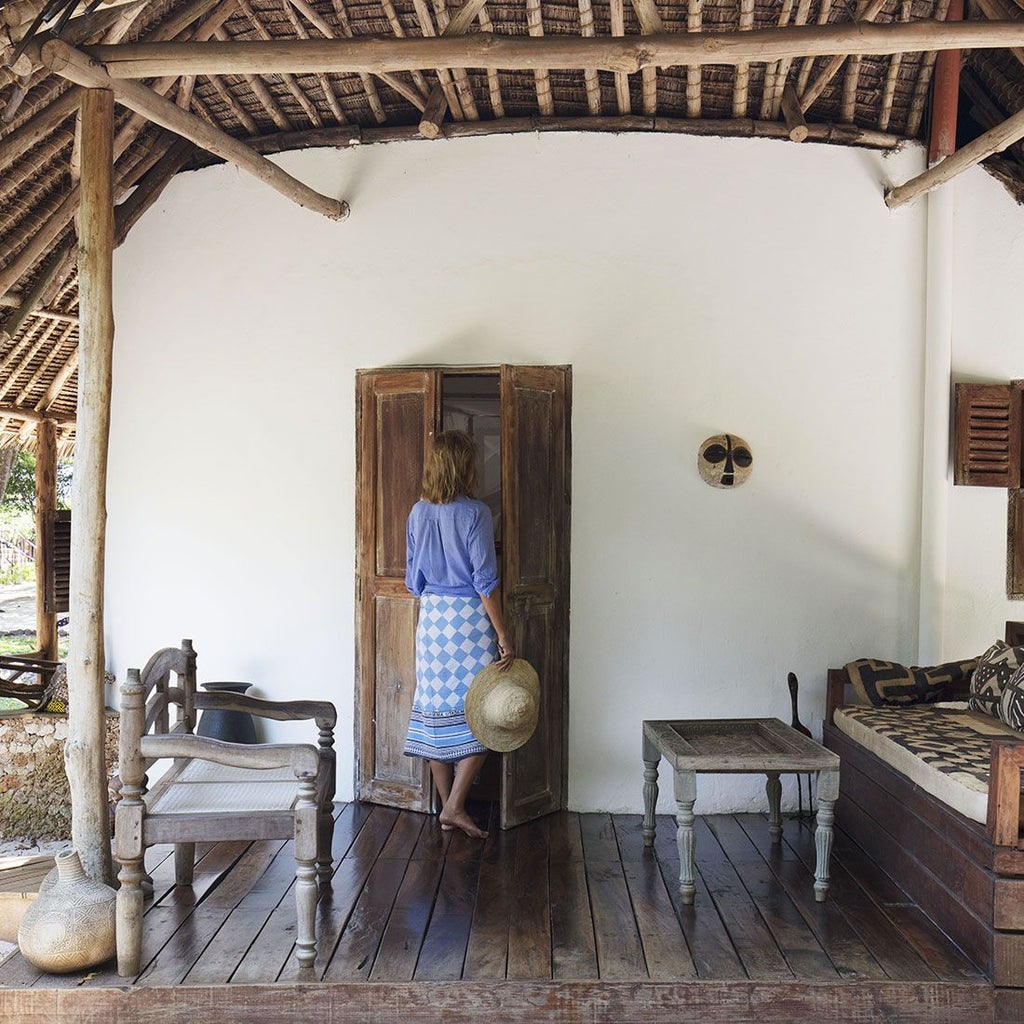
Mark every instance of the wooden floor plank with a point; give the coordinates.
(706, 936)
(573, 945)
(762, 960)
(170, 966)
(798, 943)
(665, 950)
(945, 959)
(845, 948)
(443, 952)
(410, 915)
(487, 951)
(529, 933)
(599, 842)
(565, 839)
(357, 949)
(620, 953)
(898, 957)
(271, 950)
(222, 956)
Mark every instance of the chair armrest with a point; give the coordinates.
(322, 711)
(302, 758)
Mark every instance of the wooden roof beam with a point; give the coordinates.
(74, 65)
(373, 55)
(591, 81)
(995, 141)
(34, 416)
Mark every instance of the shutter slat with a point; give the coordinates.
(987, 419)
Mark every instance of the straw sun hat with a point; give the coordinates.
(502, 707)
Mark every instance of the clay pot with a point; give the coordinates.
(12, 909)
(70, 926)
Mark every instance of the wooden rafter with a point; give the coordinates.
(806, 65)
(694, 87)
(892, 76)
(493, 82)
(867, 11)
(924, 79)
(444, 76)
(399, 30)
(66, 61)
(741, 85)
(372, 97)
(437, 104)
(774, 71)
(650, 25)
(535, 24)
(591, 82)
(618, 22)
(462, 83)
(326, 88)
(373, 55)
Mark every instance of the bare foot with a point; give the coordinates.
(462, 821)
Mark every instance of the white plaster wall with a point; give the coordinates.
(695, 285)
(988, 345)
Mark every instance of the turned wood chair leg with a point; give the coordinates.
(306, 893)
(128, 924)
(184, 863)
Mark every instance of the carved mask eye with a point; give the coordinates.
(724, 460)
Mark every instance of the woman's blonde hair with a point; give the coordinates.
(451, 468)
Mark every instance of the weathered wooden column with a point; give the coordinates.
(90, 827)
(46, 504)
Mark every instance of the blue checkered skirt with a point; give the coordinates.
(454, 640)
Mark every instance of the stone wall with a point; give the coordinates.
(34, 798)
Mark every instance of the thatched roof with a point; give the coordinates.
(870, 100)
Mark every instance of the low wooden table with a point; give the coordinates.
(738, 746)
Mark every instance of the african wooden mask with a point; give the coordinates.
(724, 460)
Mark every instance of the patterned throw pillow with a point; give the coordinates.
(995, 669)
(1011, 703)
(889, 684)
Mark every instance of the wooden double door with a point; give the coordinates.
(398, 411)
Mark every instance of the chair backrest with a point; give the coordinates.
(147, 698)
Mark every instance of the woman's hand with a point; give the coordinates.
(505, 654)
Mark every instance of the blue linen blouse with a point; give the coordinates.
(450, 549)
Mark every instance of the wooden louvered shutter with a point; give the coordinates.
(987, 421)
(60, 592)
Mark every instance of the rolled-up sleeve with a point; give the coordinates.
(481, 552)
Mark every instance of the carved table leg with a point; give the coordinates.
(686, 796)
(652, 757)
(828, 793)
(773, 786)
(305, 871)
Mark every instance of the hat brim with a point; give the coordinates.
(519, 673)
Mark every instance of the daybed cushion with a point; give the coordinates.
(943, 748)
(889, 684)
(995, 670)
(1011, 702)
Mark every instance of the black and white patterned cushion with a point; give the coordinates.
(996, 668)
(1011, 703)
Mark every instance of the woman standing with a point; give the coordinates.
(451, 568)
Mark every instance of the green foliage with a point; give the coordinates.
(18, 644)
(21, 485)
(25, 573)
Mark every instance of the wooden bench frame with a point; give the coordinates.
(967, 877)
(28, 679)
(149, 734)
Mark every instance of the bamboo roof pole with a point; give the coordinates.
(240, 114)
(369, 88)
(373, 54)
(804, 75)
(33, 176)
(290, 84)
(399, 30)
(848, 110)
(892, 77)
(65, 373)
(444, 76)
(263, 95)
(493, 82)
(462, 84)
(330, 97)
(30, 354)
(13, 300)
(650, 24)
(618, 22)
(33, 416)
(84, 751)
(793, 115)
(591, 81)
(773, 70)
(867, 11)
(541, 77)
(16, 357)
(1001, 10)
(741, 82)
(72, 64)
(54, 224)
(924, 78)
(993, 141)
(694, 88)
(36, 377)
(11, 324)
(38, 127)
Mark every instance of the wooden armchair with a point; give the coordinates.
(215, 790)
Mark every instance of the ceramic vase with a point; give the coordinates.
(232, 726)
(70, 926)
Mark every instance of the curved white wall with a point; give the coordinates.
(695, 285)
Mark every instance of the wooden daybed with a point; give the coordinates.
(967, 876)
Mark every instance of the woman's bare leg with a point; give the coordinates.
(454, 811)
(442, 772)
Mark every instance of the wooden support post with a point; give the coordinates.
(945, 95)
(46, 505)
(793, 115)
(433, 115)
(87, 773)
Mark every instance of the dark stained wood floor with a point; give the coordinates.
(572, 898)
